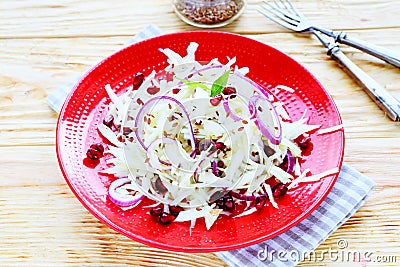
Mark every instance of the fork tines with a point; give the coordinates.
(282, 12)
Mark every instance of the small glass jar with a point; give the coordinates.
(209, 13)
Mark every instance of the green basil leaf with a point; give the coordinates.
(220, 84)
(193, 84)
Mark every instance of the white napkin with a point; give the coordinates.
(347, 195)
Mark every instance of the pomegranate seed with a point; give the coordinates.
(279, 190)
(153, 90)
(175, 210)
(216, 100)
(220, 145)
(260, 202)
(229, 204)
(220, 164)
(121, 138)
(108, 120)
(166, 218)
(226, 203)
(90, 163)
(126, 130)
(220, 202)
(284, 164)
(229, 90)
(156, 211)
(304, 142)
(137, 80)
(93, 154)
(176, 90)
(99, 147)
(139, 101)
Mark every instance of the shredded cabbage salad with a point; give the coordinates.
(202, 141)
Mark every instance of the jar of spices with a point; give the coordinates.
(209, 13)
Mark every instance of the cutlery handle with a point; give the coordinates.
(389, 104)
(380, 52)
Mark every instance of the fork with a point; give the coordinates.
(388, 103)
(286, 14)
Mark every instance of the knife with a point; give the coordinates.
(388, 103)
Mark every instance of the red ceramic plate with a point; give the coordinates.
(86, 106)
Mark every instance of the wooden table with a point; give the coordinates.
(45, 44)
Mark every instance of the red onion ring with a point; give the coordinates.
(275, 139)
(291, 163)
(214, 167)
(201, 162)
(265, 92)
(141, 113)
(123, 200)
(228, 110)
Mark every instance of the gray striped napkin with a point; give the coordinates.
(287, 249)
(348, 194)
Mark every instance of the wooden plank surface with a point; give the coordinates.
(47, 44)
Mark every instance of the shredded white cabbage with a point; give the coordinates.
(330, 129)
(157, 154)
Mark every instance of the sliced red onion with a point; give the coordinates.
(214, 167)
(143, 110)
(123, 200)
(246, 197)
(201, 162)
(235, 117)
(290, 166)
(268, 133)
(263, 91)
(193, 154)
(229, 111)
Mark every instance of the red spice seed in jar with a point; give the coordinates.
(138, 79)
